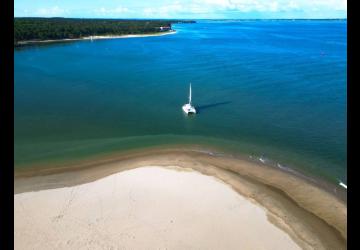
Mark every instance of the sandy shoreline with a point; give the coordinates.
(95, 38)
(312, 217)
(145, 208)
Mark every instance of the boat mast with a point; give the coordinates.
(190, 95)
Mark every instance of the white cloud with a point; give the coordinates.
(250, 5)
(51, 12)
(164, 11)
(213, 6)
(114, 11)
(202, 9)
(216, 6)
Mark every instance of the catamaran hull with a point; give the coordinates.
(188, 110)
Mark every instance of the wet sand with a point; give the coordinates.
(311, 216)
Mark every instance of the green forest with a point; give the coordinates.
(26, 29)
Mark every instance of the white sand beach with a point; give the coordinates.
(145, 208)
(96, 38)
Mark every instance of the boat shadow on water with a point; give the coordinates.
(201, 108)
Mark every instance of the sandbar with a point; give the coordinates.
(312, 217)
(145, 208)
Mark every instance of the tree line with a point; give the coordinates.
(63, 28)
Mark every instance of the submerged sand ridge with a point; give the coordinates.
(145, 208)
(312, 217)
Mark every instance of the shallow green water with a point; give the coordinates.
(271, 88)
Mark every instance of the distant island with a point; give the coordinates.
(27, 30)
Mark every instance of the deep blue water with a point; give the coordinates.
(272, 88)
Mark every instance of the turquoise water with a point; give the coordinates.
(271, 88)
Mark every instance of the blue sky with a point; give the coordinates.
(191, 9)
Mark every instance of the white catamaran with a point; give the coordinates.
(188, 108)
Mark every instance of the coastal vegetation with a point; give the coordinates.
(38, 29)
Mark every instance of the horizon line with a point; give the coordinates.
(141, 18)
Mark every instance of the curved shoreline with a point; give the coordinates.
(94, 38)
(171, 208)
(59, 166)
(312, 216)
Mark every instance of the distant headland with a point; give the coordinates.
(33, 30)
